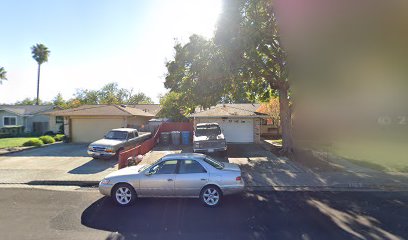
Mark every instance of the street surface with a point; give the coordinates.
(64, 213)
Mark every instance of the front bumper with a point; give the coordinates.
(100, 154)
(210, 150)
(105, 189)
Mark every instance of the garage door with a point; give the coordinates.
(237, 130)
(86, 130)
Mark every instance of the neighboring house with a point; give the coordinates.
(33, 118)
(88, 123)
(239, 122)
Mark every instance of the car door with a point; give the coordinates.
(190, 179)
(158, 181)
(129, 142)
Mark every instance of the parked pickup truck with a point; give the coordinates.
(116, 140)
(208, 137)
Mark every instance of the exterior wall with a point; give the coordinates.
(137, 121)
(257, 130)
(37, 118)
(20, 119)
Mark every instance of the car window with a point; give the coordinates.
(165, 167)
(131, 135)
(116, 135)
(191, 166)
(214, 163)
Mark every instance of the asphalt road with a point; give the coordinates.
(46, 214)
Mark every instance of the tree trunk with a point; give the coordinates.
(285, 121)
(38, 85)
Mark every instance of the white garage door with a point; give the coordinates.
(237, 130)
(86, 130)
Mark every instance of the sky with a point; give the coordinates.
(95, 42)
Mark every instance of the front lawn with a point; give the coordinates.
(384, 156)
(13, 142)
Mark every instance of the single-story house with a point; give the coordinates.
(88, 123)
(239, 122)
(32, 118)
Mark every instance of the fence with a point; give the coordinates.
(148, 145)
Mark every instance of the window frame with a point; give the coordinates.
(183, 160)
(4, 120)
(59, 117)
(161, 163)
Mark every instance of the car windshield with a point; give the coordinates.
(214, 163)
(207, 130)
(117, 135)
(148, 165)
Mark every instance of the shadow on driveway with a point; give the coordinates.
(94, 166)
(276, 215)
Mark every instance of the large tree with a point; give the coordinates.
(40, 54)
(3, 74)
(248, 36)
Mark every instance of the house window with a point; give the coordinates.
(59, 119)
(10, 121)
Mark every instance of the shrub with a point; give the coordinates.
(47, 139)
(59, 137)
(33, 142)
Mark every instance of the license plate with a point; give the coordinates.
(210, 150)
(97, 154)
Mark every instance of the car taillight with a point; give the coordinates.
(238, 178)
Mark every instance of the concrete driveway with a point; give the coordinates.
(57, 163)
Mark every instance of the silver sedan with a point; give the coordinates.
(189, 175)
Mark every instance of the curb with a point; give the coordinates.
(57, 183)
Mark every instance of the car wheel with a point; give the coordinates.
(123, 194)
(211, 196)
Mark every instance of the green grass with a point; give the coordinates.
(14, 142)
(385, 156)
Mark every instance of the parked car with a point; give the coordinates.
(209, 138)
(114, 141)
(189, 175)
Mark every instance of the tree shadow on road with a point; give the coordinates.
(274, 215)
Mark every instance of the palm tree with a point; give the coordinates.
(2, 74)
(40, 54)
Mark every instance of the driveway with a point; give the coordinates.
(56, 163)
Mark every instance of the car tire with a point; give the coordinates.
(124, 194)
(211, 196)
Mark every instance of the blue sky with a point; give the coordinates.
(95, 42)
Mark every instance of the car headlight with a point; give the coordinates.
(105, 181)
(90, 148)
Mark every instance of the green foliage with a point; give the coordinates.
(3, 74)
(33, 142)
(40, 53)
(31, 101)
(172, 107)
(196, 73)
(59, 137)
(110, 94)
(47, 139)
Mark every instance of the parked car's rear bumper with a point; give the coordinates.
(232, 189)
(210, 150)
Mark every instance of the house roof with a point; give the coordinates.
(230, 110)
(102, 110)
(150, 108)
(24, 110)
